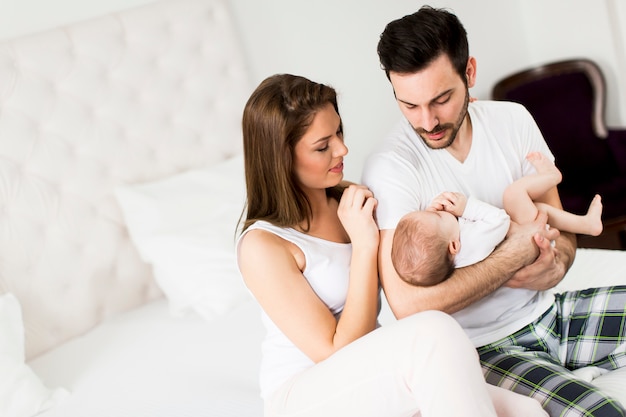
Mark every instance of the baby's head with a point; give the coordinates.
(424, 245)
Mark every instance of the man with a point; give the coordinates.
(525, 335)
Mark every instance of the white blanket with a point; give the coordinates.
(148, 363)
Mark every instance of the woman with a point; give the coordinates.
(308, 253)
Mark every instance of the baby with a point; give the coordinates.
(456, 231)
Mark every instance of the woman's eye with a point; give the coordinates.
(324, 149)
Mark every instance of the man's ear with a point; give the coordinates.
(470, 72)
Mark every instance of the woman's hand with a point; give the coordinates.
(356, 213)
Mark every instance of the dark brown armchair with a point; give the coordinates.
(567, 100)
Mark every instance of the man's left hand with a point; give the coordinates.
(547, 270)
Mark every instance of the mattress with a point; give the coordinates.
(148, 363)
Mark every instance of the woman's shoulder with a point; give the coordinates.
(262, 247)
(262, 233)
(258, 244)
(263, 236)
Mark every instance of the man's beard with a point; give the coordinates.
(454, 128)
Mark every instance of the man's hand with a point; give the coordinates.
(549, 267)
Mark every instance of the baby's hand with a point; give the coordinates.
(449, 201)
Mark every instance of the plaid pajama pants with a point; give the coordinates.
(583, 328)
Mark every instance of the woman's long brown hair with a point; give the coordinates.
(275, 118)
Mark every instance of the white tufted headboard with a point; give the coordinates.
(123, 98)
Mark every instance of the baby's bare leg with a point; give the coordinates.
(588, 224)
(547, 176)
(519, 197)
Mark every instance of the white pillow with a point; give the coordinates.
(185, 227)
(22, 394)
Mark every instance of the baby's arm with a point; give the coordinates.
(477, 210)
(483, 227)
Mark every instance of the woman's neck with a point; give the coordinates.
(324, 222)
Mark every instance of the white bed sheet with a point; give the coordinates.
(595, 268)
(146, 363)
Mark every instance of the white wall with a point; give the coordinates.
(335, 42)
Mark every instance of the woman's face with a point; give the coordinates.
(319, 154)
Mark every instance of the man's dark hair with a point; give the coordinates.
(411, 43)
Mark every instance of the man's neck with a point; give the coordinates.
(460, 148)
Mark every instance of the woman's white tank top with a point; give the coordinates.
(327, 270)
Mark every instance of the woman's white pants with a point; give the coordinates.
(423, 365)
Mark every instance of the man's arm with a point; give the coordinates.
(466, 285)
(553, 261)
(550, 267)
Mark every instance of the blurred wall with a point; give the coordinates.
(335, 42)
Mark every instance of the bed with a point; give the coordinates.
(121, 182)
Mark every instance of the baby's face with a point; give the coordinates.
(448, 225)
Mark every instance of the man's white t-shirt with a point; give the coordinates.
(405, 175)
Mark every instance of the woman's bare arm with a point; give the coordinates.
(272, 269)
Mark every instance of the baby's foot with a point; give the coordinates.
(544, 166)
(593, 216)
